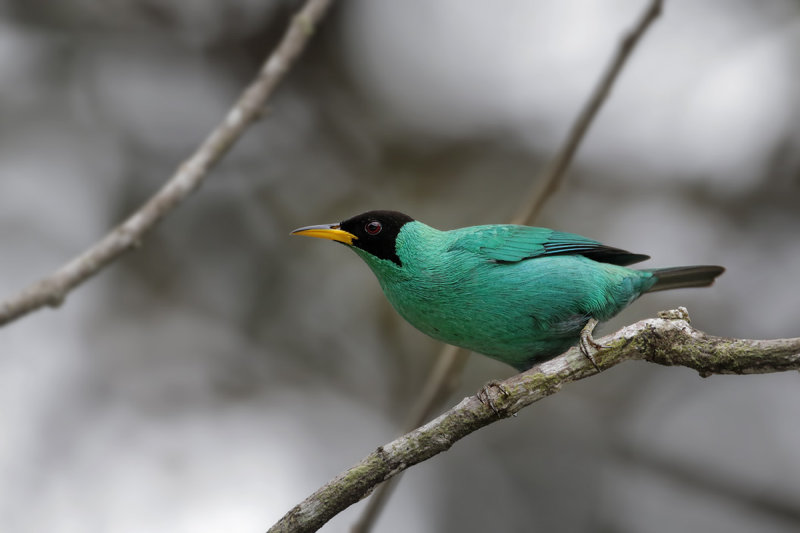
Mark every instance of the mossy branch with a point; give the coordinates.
(668, 340)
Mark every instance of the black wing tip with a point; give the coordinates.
(614, 256)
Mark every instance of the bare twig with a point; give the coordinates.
(187, 178)
(442, 380)
(554, 175)
(444, 376)
(668, 340)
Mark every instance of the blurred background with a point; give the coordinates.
(215, 377)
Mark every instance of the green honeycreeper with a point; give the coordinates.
(518, 294)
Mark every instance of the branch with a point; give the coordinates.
(450, 361)
(187, 178)
(668, 340)
(555, 172)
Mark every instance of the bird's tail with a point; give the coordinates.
(687, 276)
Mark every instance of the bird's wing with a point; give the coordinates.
(510, 244)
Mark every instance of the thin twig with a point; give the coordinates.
(668, 340)
(187, 178)
(442, 381)
(443, 378)
(554, 175)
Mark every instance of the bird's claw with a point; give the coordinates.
(485, 399)
(589, 347)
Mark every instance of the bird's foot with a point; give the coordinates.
(589, 347)
(484, 397)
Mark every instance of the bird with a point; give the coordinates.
(518, 294)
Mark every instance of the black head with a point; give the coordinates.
(376, 232)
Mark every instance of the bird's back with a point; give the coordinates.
(515, 311)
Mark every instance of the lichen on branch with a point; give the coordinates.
(668, 340)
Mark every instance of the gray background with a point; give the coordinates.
(216, 376)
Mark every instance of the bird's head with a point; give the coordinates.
(373, 232)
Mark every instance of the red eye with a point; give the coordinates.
(373, 228)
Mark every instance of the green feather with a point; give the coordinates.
(515, 293)
(451, 287)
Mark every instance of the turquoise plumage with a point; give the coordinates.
(518, 294)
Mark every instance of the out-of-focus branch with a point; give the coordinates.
(443, 378)
(187, 178)
(720, 484)
(554, 174)
(668, 340)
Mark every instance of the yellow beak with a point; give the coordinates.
(327, 231)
